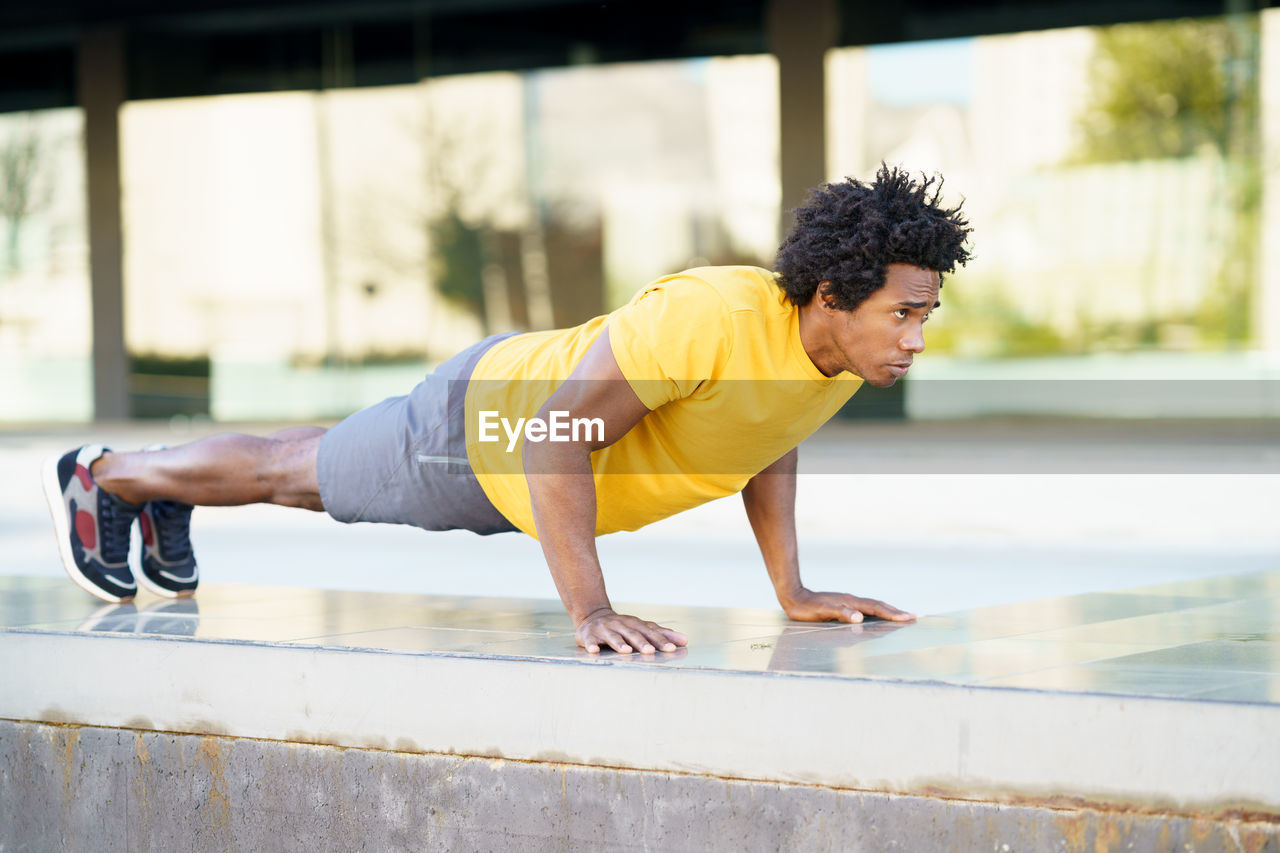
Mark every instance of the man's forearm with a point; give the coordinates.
(563, 493)
(770, 501)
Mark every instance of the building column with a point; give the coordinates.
(100, 89)
(1266, 307)
(800, 33)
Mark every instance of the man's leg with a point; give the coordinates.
(222, 470)
(95, 497)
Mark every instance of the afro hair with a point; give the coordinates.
(848, 232)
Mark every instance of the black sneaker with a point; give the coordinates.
(168, 563)
(92, 526)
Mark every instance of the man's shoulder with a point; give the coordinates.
(730, 288)
(738, 283)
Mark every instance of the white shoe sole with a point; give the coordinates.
(62, 529)
(150, 586)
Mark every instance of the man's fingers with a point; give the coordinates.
(603, 635)
(675, 638)
(618, 642)
(843, 607)
(636, 638)
(887, 611)
(662, 639)
(658, 638)
(587, 640)
(626, 634)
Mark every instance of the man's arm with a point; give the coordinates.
(770, 499)
(563, 492)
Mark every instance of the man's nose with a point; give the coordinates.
(913, 341)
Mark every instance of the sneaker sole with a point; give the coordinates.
(152, 587)
(62, 529)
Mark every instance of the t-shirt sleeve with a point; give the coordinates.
(670, 338)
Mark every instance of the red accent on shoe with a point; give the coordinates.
(144, 521)
(86, 529)
(86, 479)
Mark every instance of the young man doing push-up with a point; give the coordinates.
(700, 387)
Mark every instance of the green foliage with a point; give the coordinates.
(1175, 89)
(1170, 89)
(457, 251)
(159, 364)
(978, 319)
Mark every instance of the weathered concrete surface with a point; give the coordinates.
(83, 788)
(912, 738)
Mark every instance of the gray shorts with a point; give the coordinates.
(404, 460)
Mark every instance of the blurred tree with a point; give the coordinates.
(455, 199)
(458, 260)
(22, 192)
(1170, 89)
(1186, 88)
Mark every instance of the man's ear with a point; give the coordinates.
(826, 295)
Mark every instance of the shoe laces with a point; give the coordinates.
(172, 528)
(115, 518)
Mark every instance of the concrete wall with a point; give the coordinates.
(73, 788)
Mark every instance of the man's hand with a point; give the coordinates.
(809, 606)
(625, 634)
(770, 499)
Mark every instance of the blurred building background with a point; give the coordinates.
(289, 210)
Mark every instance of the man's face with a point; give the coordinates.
(878, 339)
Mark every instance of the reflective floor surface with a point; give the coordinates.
(1216, 638)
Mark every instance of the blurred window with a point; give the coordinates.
(45, 326)
(1112, 176)
(315, 252)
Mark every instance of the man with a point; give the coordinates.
(700, 387)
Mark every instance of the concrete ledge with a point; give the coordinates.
(904, 737)
(280, 718)
(76, 788)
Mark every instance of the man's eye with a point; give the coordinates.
(925, 319)
(901, 313)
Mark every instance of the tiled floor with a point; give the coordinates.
(1216, 638)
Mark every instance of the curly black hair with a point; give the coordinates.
(847, 232)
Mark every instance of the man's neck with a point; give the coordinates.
(815, 337)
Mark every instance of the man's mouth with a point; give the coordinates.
(899, 370)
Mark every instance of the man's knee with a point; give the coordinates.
(293, 470)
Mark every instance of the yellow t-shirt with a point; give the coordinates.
(714, 352)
